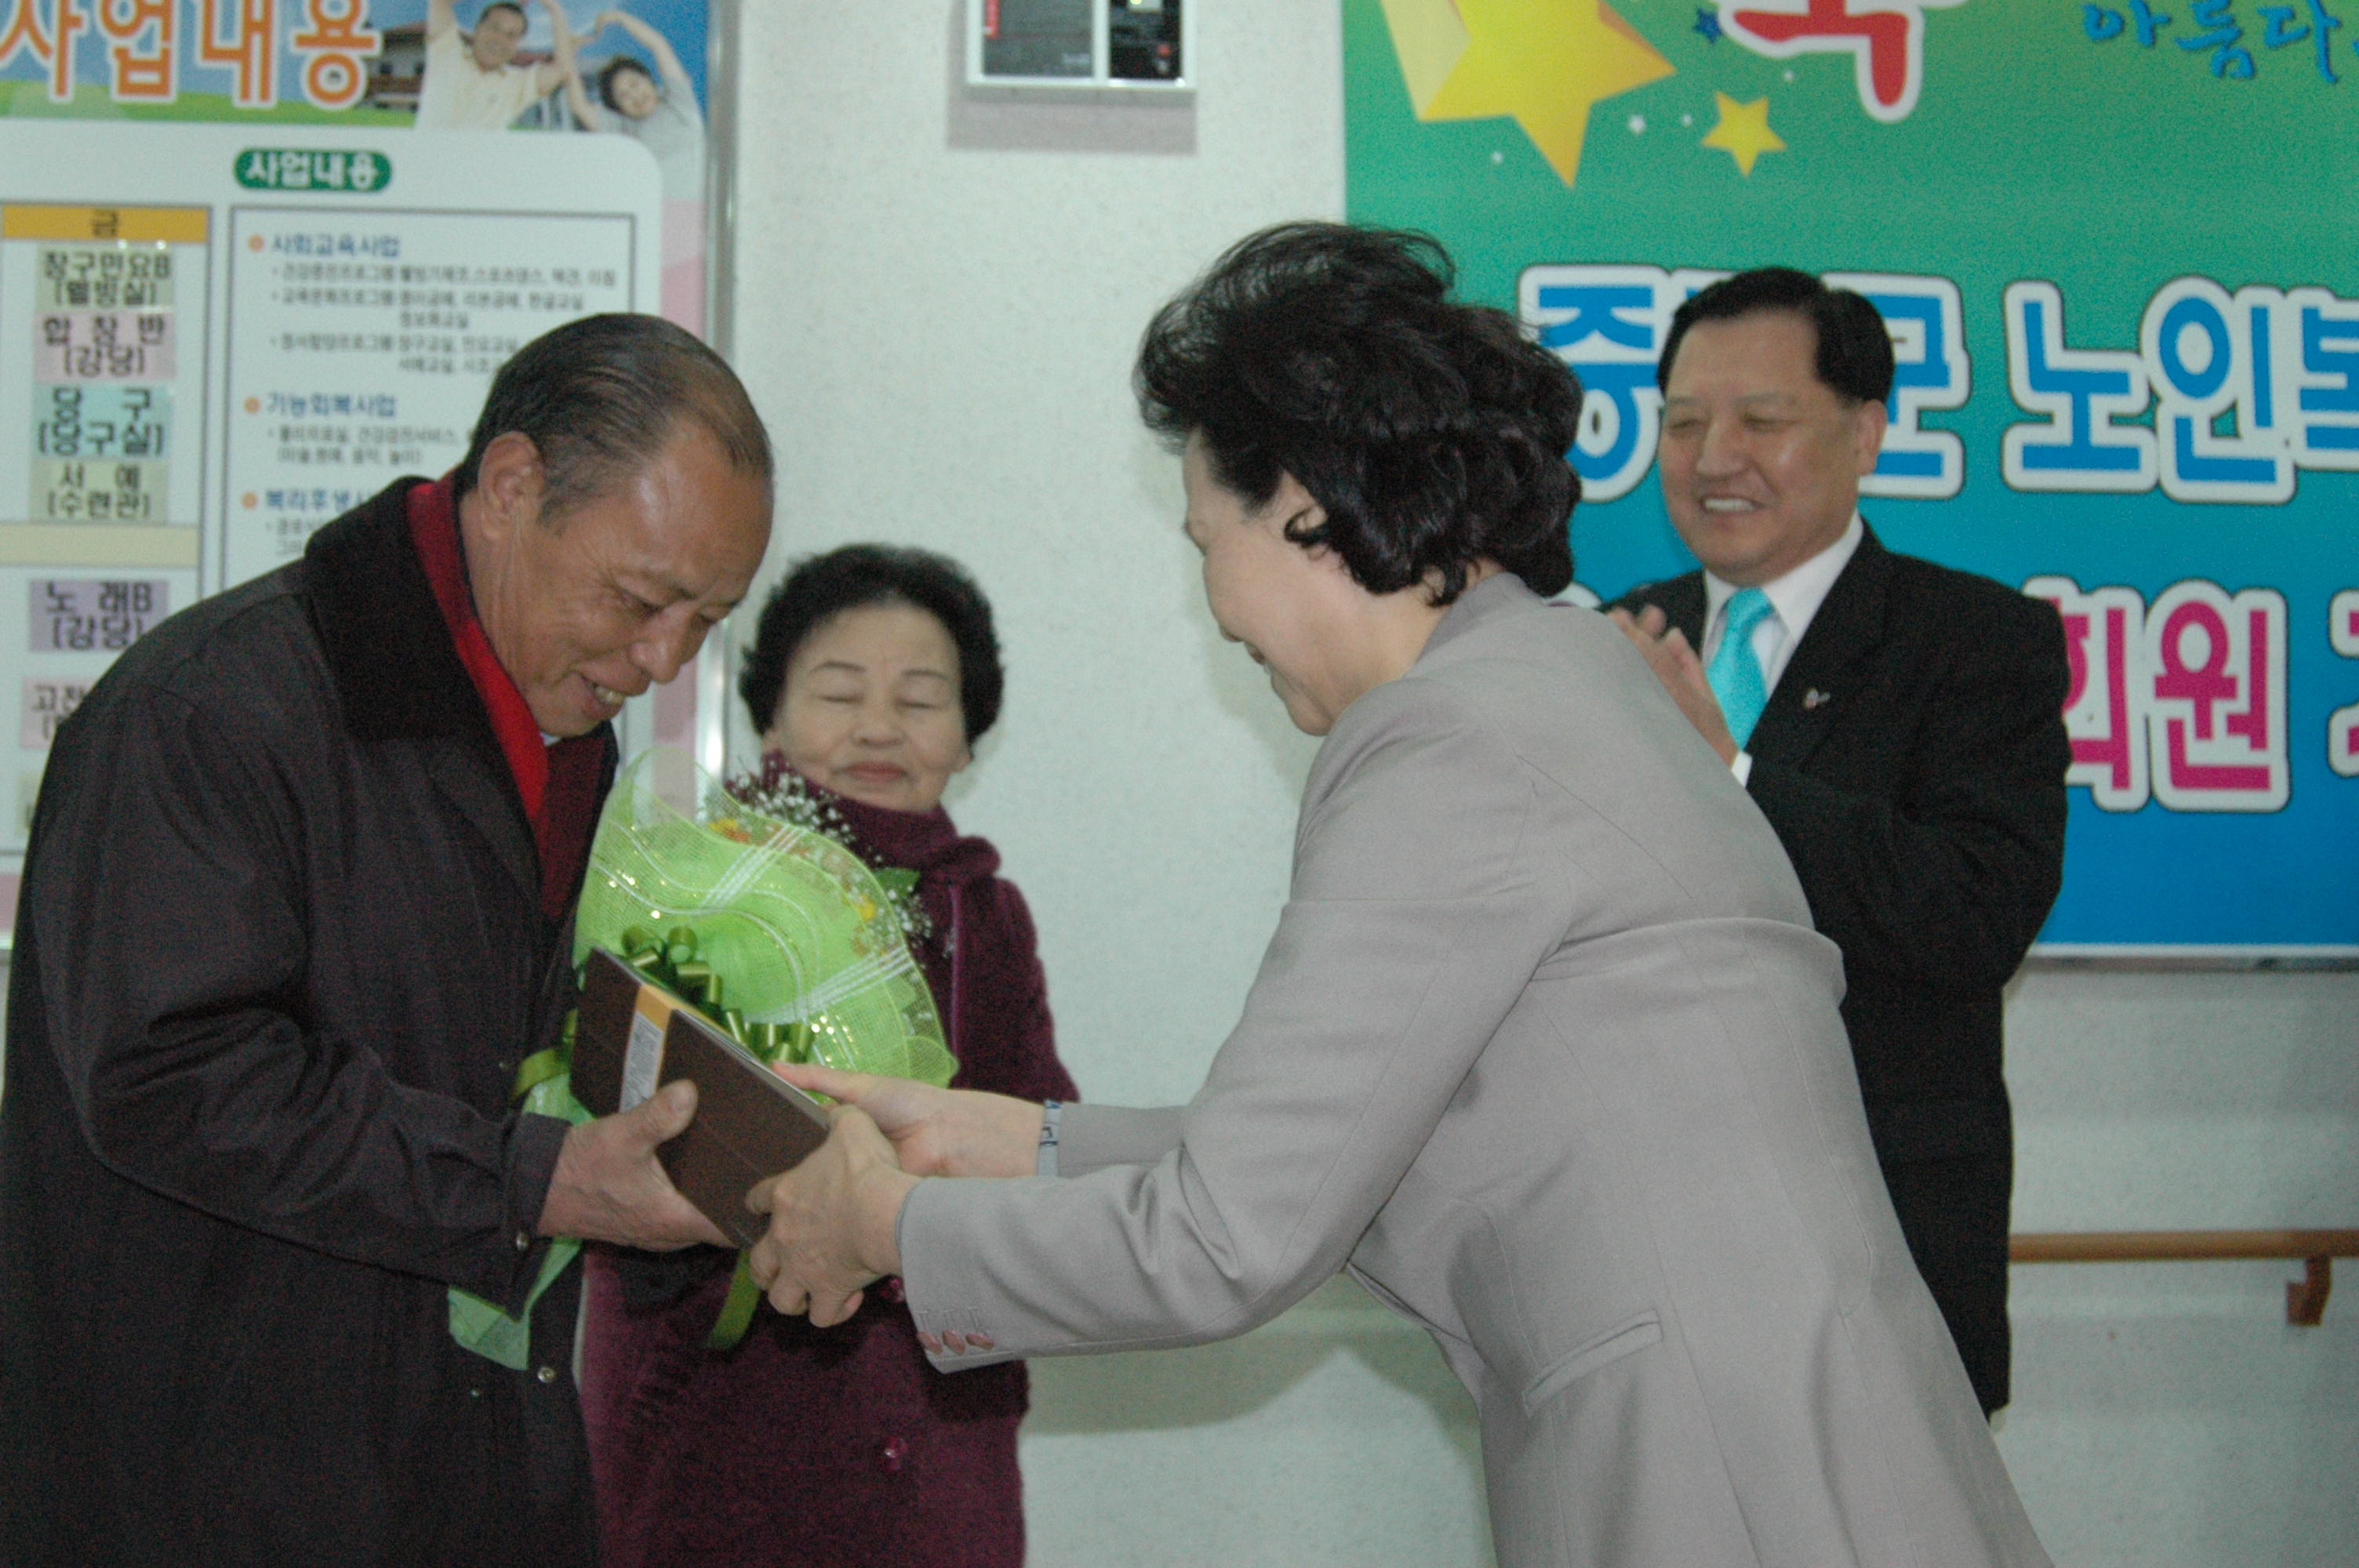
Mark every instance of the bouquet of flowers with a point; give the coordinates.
(793, 944)
(769, 926)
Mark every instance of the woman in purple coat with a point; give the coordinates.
(874, 671)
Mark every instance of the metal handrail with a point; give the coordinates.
(2305, 1297)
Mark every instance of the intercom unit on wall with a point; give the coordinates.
(1117, 46)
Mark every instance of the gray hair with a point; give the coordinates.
(602, 397)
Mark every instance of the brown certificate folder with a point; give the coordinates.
(633, 1036)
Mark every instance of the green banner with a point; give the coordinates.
(2111, 242)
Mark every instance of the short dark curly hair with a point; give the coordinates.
(1434, 433)
(1854, 351)
(821, 587)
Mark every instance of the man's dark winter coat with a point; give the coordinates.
(280, 950)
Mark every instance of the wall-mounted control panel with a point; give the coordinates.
(1092, 45)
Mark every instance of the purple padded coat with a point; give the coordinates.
(833, 1447)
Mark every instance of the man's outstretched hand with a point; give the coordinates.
(609, 1186)
(1676, 664)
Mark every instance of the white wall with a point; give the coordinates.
(2166, 1414)
(938, 300)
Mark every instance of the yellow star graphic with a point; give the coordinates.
(1544, 62)
(1744, 132)
(1428, 39)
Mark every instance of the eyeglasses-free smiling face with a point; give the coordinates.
(498, 32)
(1761, 460)
(634, 94)
(1295, 610)
(618, 593)
(871, 707)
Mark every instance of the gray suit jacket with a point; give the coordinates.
(1546, 1053)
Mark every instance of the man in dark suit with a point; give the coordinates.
(1899, 723)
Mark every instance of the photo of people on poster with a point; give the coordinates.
(636, 72)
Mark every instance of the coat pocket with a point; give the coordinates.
(1627, 1337)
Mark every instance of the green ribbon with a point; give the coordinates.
(484, 1327)
(544, 1084)
(738, 1312)
(543, 1066)
(670, 960)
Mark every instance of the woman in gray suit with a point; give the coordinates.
(1544, 1050)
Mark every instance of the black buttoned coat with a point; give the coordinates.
(1912, 762)
(279, 949)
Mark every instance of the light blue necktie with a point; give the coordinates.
(1734, 673)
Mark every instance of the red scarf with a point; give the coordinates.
(557, 783)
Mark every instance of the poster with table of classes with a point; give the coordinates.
(2112, 244)
(259, 257)
(216, 338)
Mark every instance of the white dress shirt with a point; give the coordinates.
(459, 95)
(1794, 599)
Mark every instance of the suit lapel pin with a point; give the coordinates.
(1812, 697)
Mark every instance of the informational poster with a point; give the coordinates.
(258, 258)
(214, 341)
(359, 344)
(635, 72)
(104, 312)
(2112, 244)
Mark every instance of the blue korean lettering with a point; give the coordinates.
(2258, 314)
(1596, 308)
(1607, 323)
(2102, 23)
(1617, 435)
(2283, 29)
(2228, 59)
(2082, 391)
(2207, 354)
(1931, 371)
(2322, 351)
(2321, 355)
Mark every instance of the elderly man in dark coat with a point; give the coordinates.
(298, 904)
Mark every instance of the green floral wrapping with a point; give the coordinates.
(794, 930)
(777, 932)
